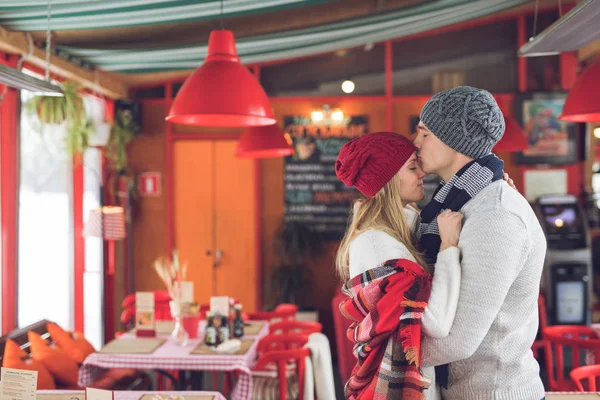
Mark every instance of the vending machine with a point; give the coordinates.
(567, 277)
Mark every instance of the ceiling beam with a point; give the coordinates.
(107, 83)
(154, 78)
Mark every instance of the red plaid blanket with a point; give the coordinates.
(386, 304)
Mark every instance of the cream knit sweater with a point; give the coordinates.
(489, 345)
(373, 248)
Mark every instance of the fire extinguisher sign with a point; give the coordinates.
(149, 184)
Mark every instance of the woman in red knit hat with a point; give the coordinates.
(392, 294)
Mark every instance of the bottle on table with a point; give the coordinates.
(238, 322)
(223, 330)
(210, 336)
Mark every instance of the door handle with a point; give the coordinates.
(218, 258)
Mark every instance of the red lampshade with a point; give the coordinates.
(222, 92)
(514, 138)
(113, 227)
(583, 101)
(263, 142)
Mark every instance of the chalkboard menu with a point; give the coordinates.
(313, 194)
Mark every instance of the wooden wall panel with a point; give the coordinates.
(147, 153)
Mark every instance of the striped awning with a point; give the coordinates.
(32, 15)
(324, 38)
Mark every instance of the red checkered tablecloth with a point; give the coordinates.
(171, 356)
(134, 395)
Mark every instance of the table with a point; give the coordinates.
(123, 394)
(171, 356)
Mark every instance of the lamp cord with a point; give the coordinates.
(535, 18)
(48, 42)
(560, 14)
(222, 23)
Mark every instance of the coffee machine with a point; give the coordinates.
(567, 277)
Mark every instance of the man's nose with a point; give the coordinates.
(417, 141)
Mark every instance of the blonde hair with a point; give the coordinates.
(382, 212)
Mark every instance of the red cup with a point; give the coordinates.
(190, 324)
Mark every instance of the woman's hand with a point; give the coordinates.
(449, 224)
(508, 180)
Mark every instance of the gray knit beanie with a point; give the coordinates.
(465, 118)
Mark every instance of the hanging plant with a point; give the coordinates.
(67, 109)
(122, 132)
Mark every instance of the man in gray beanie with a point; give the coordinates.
(502, 246)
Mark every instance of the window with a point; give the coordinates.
(45, 225)
(45, 248)
(94, 272)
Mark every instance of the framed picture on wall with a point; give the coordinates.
(551, 141)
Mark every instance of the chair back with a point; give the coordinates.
(277, 315)
(345, 355)
(539, 344)
(587, 373)
(282, 358)
(274, 342)
(288, 311)
(583, 345)
(293, 326)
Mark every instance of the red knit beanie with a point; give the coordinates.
(369, 162)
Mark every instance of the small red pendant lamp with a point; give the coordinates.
(514, 138)
(583, 101)
(263, 142)
(221, 92)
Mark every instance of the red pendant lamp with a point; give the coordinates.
(222, 92)
(514, 138)
(583, 101)
(263, 142)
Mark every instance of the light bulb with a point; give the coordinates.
(348, 87)
(337, 116)
(317, 116)
(597, 132)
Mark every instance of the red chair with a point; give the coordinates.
(583, 343)
(345, 355)
(282, 358)
(587, 373)
(287, 327)
(283, 312)
(289, 310)
(540, 344)
(274, 342)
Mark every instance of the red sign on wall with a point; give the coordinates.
(149, 184)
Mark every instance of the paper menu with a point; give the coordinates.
(219, 304)
(187, 292)
(18, 384)
(98, 394)
(144, 313)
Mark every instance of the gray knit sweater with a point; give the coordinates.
(488, 348)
